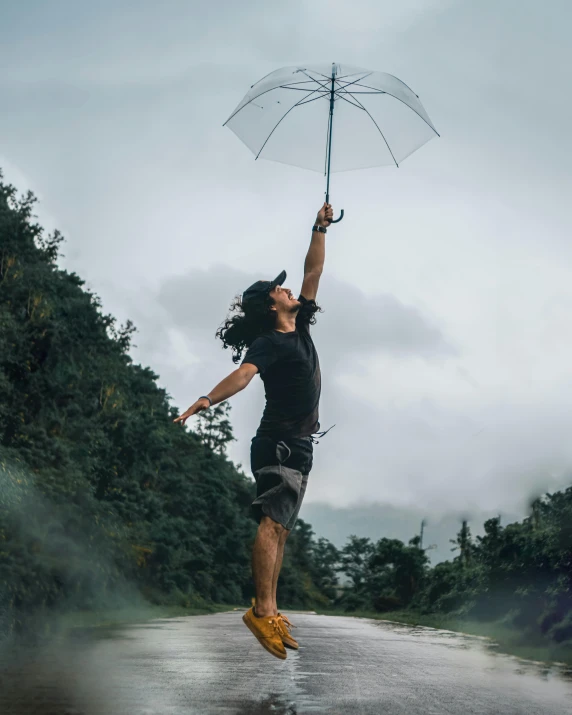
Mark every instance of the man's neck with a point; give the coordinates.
(285, 323)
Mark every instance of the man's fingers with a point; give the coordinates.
(189, 413)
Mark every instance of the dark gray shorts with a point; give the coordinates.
(281, 469)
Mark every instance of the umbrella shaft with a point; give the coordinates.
(330, 133)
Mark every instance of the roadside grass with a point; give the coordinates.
(500, 636)
(139, 614)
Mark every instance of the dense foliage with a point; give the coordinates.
(104, 500)
(520, 573)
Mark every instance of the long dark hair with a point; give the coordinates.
(240, 330)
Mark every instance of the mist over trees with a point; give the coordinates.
(104, 501)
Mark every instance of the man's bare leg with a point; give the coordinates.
(264, 557)
(278, 566)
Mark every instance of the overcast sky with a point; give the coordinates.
(445, 344)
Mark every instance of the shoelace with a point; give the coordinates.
(280, 622)
(276, 625)
(288, 624)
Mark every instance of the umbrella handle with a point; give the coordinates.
(340, 217)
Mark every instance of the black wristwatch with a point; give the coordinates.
(321, 229)
(206, 397)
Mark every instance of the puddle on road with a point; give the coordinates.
(67, 677)
(108, 671)
(464, 641)
(274, 704)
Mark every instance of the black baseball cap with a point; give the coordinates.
(259, 290)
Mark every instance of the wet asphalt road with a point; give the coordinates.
(212, 664)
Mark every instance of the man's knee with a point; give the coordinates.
(268, 525)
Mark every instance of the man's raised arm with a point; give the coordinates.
(233, 383)
(314, 263)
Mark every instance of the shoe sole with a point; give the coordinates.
(262, 642)
(287, 645)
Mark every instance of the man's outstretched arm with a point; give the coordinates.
(314, 263)
(233, 383)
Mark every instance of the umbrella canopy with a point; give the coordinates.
(331, 118)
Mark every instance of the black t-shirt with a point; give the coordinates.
(289, 367)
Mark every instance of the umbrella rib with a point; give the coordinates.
(307, 100)
(349, 84)
(314, 71)
(298, 104)
(351, 74)
(268, 75)
(405, 103)
(301, 89)
(378, 129)
(280, 86)
(301, 81)
(322, 85)
(348, 101)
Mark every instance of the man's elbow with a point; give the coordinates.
(245, 374)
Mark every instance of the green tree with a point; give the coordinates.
(326, 561)
(396, 572)
(464, 544)
(89, 439)
(214, 427)
(354, 560)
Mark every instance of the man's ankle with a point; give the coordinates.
(260, 612)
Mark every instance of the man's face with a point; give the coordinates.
(284, 300)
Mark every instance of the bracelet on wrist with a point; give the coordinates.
(206, 397)
(321, 229)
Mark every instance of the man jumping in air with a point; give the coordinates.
(274, 328)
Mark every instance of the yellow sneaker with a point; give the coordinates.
(268, 631)
(287, 637)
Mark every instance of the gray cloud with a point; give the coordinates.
(355, 323)
(352, 322)
(445, 338)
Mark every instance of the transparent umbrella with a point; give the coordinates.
(331, 118)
